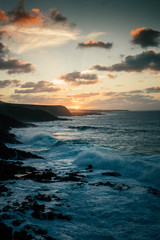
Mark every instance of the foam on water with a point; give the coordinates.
(132, 166)
(127, 143)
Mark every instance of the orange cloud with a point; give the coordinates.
(28, 20)
(35, 10)
(137, 31)
(145, 37)
(3, 16)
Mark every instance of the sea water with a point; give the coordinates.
(124, 142)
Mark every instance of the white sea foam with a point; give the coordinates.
(132, 166)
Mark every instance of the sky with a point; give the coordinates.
(88, 54)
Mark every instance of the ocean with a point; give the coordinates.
(119, 195)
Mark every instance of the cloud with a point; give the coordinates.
(40, 99)
(155, 89)
(30, 30)
(145, 37)
(9, 82)
(21, 17)
(41, 86)
(126, 100)
(149, 60)
(98, 44)
(78, 78)
(94, 35)
(14, 66)
(3, 33)
(3, 50)
(84, 95)
(57, 16)
(110, 75)
(3, 17)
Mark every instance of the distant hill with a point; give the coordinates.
(56, 110)
(22, 113)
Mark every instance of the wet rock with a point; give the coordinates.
(22, 235)
(6, 137)
(154, 191)
(56, 197)
(7, 208)
(39, 231)
(7, 122)
(40, 176)
(17, 223)
(5, 232)
(14, 154)
(43, 215)
(117, 186)
(63, 217)
(49, 215)
(71, 176)
(3, 189)
(89, 167)
(49, 238)
(10, 170)
(43, 197)
(112, 174)
(46, 197)
(6, 216)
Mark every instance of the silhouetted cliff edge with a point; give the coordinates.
(33, 113)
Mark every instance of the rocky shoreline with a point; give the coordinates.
(14, 223)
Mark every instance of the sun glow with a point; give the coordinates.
(74, 107)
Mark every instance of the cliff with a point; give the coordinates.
(33, 113)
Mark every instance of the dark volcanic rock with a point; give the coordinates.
(49, 238)
(46, 197)
(117, 186)
(6, 137)
(50, 215)
(9, 170)
(17, 223)
(3, 189)
(154, 191)
(40, 176)
(112, 174)
(7, 122)
(71, 176)
(23, 235)
(12, 153)
(5, 232)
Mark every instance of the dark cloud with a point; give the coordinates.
(153, 89)
(9, 82)
(22, 17)
(98, 44)
(145, 37)
(149, 60)
(41, 86)
(57, 16)
(3, 50)
(15, 66)
(100, 67)
(78, 78)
